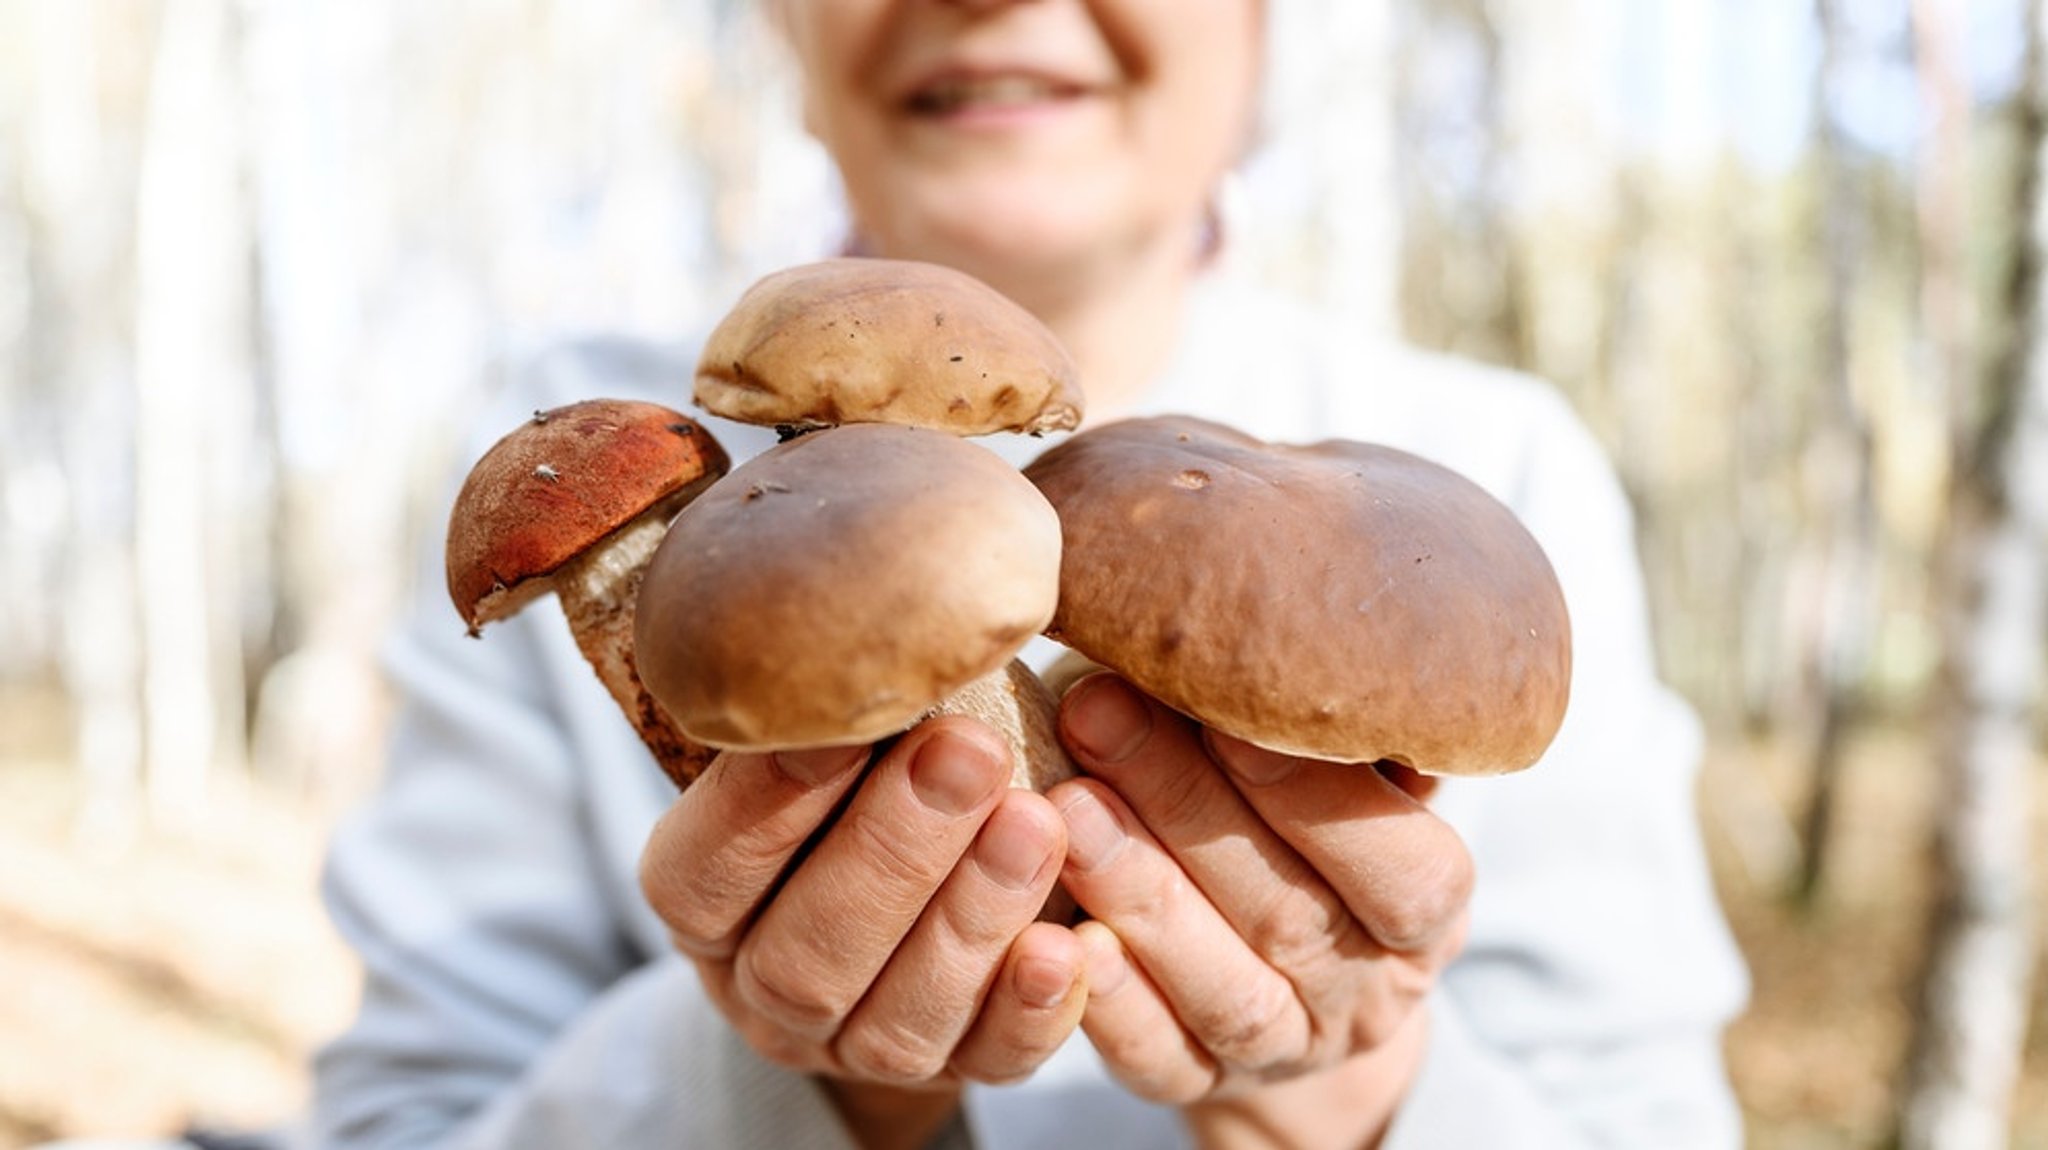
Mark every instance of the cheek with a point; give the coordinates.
(1205, 60)
(1206, 123)
(834, 44)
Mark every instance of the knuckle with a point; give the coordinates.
(1014, 1061)
(1162, 1065)
(1293, 936)
(1256, 1031)
(685, 926)
(687, 904)
(1177, 803)
(1379, 1017)
(889, 1054)
(703, 896)
(1428, 905)
(765, 1037)
(1374, 1027)
(1172, 1085)
(787, 994)
(784, 1049)
(902, 862)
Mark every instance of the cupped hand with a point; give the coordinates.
(874, 927)
(1260, 919)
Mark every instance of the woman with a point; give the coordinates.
(1333, 962)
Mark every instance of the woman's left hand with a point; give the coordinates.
(1265, 927)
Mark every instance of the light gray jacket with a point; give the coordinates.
(518, 993)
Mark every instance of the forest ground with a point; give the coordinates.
(186, 977)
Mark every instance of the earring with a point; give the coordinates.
(1225, 203)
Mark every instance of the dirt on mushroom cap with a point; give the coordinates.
(886, 341)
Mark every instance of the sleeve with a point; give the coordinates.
(507, 1000)
(503, 1003)
(1588, 1007)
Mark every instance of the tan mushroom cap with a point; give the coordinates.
(1343, 601)
(558, 486)
(886, 341)
(835, 588)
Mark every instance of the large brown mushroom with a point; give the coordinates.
(875, 569)
(841, 586)
(886, 341)
(1343, 601)
(574, 502)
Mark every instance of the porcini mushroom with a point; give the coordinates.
(877, 569)
(574, 501)
(886, 341)
(1343, 601)
(839, 587)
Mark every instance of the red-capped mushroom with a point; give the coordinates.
(575, 501)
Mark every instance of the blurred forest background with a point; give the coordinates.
(261, 259)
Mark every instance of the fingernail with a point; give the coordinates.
(1043, 982)
(1107, 721)
(816, 766)
(1107, 968)
(1255, 765)
(1010, 851)
(1094, 836)
(953, 774)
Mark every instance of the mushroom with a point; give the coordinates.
(1343, 601)
(840, 586)
(875, 568)
(574, 501)
(886, 341)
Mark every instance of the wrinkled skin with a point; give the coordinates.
(1261, 932)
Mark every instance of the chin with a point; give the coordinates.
(1023, 233)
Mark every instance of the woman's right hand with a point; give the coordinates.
(876, 928)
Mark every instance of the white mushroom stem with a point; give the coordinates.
(598, 591)
(1018, 705)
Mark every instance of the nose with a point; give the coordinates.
(982, 5)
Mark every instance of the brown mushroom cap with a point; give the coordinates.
(886, 341)
(558, 486)
(836, 587)
(1343, 601)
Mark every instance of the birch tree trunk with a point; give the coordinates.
(192, 344)
(1942, 194)
(81, 211)
(1838, 471)
(1511, 325)
(1970, 1023)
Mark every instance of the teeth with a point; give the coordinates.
(997, 91)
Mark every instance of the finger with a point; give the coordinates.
(818, 945)
(722, 845)
(1033, 1005)
(1410, 890)
(1229, 998)
(905, 1028)
(1134, 1030)
(1158, 764)
(765, 1037)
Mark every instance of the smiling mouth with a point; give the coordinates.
(987, 92)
